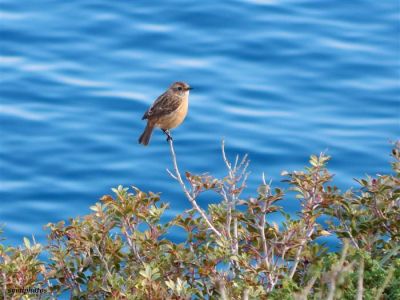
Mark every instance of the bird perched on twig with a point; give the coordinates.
(167, 112)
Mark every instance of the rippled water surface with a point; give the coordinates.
(279, 80)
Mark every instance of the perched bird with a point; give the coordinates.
(167, 112)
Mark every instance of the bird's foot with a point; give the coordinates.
(169, 136)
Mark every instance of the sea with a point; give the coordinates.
(278, 80)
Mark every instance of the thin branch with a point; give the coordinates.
(229, 213)
(360, 285)
(129, 238)
(272, 282)
(355, 244)
(4, 285)
(262, 231)
(246, 294)
(235, 234)
(233, 192)
(221, 289)
(102, 259)
(263, 178)
(236, 161)
(336, 270)
(228, 165)
(299, 251)
(265, 247)
(243, 162)
(191, 199)
(172, 175)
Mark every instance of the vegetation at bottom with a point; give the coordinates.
(231, 250)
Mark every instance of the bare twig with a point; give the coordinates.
(227, 163)
(172, 175)
(268, 258)
(191, 199)
(236, 174)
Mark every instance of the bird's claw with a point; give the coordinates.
(169, 137)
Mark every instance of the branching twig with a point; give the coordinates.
(102, 259)
(130, 227)
(229, 213)
(172, 175)
(234, 192)
(299, 250)
(261, 228)
(191, 199)
(355, 244)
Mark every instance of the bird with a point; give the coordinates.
(167, 112)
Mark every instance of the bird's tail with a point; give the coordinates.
(146, 135)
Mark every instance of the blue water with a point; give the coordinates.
(279, 80)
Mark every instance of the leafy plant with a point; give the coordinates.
(232, 250)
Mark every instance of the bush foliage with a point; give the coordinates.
(231, 250)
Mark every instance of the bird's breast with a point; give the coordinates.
(175, 118)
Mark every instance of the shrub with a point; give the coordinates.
(232, 250)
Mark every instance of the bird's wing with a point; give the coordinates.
(164, 105)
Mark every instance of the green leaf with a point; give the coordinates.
(27, 243)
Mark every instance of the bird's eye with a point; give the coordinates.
(180, 88)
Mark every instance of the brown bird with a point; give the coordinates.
(167, 112)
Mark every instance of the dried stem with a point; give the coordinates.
(191, 199)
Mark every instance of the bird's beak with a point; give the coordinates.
(189, 88)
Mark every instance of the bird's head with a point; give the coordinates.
(180, 88)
